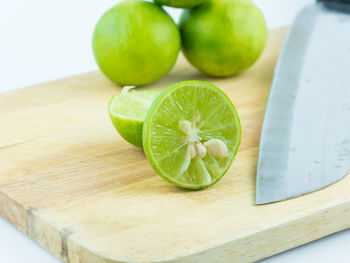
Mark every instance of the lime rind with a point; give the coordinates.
(176, 151)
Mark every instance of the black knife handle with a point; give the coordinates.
(335, 1)
(342, 6)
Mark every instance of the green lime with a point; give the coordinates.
(136, 43)
(191, 134)
(223, 37)
(180, 3)
(128, 111)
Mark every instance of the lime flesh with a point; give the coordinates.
(186, 114)
(128, 111)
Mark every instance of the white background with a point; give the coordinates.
(42, 40)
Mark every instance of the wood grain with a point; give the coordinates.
(71, 183)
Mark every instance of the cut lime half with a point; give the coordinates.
(191, 134)
(128, 111)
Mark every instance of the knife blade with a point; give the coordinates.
(305, 139)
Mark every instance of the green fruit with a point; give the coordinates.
(180, 3)
(191, 134)
(128, 111)
(223, 37)
(136, 43)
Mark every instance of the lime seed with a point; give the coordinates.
(217, 148)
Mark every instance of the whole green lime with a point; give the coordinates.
(136, 43)
(223, 37)
(180, 3)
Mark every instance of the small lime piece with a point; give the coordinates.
(180, 3)
(136, 43)
(128, 111)
(223, 37)
(191, 134)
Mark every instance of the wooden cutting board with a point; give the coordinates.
(71, 183)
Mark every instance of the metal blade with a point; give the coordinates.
(305, 141)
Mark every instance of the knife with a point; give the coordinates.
(305, 139)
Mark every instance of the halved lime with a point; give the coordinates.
(128, 111)
(191, 134)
